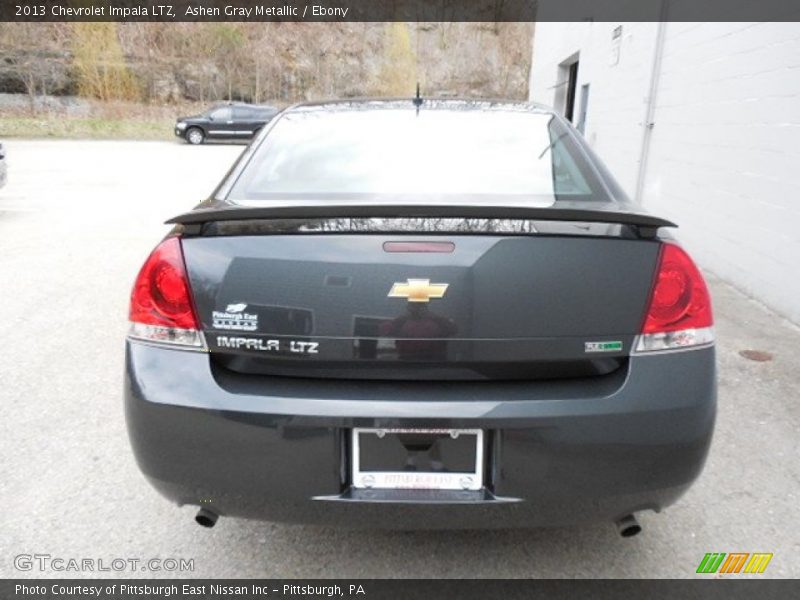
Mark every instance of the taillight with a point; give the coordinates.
(679, 312)
(161, 301)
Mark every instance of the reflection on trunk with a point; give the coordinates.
(419, 333)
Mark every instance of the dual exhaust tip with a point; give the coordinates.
(627, 526)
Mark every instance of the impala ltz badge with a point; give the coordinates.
(265, 345)
(418, 290)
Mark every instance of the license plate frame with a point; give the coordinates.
(471, 480)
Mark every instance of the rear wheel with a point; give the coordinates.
(195, 136)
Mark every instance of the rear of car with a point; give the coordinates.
(442, 315)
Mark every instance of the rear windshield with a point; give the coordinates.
(324, 154)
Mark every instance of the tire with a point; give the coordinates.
(195, 136)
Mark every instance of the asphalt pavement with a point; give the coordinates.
(76, 221)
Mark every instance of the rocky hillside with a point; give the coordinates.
(176, 62)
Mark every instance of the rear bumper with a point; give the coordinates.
(277, 448)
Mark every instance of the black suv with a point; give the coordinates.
(225, 122)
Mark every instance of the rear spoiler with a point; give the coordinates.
(647, 225)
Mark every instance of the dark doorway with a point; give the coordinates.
(572, 82)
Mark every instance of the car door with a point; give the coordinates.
(244, 121)
(221, 124)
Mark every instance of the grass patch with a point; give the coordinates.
(92, 128)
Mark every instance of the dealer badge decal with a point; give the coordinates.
(235, 318)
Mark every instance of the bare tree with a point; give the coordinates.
(31, 51)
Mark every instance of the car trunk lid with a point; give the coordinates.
(373, 304)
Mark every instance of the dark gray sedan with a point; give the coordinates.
(420, 314)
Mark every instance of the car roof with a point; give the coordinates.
(453, 104)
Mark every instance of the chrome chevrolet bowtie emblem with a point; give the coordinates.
(418, 290)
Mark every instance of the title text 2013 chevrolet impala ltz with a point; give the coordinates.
(420, 314)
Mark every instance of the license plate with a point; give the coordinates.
(429, 459)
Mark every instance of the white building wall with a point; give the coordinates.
(724, 153)
(617, 92)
